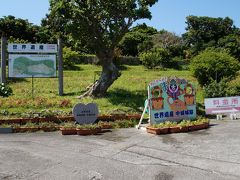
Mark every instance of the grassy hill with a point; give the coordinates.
(127, 94)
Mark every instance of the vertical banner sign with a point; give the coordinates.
(171, 99)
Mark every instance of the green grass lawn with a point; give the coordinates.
(127, 94)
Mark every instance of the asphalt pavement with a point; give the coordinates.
(124, 154)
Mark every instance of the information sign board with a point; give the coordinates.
(32, 65)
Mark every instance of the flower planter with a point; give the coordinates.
(196, 127)
(174, 129)
(106, 126)
(28, 129)
(43, 119)
(104, 117)
(48, 129)
(206, 125)
(16, 129)
(5, 130)
(134, 116)
(68, 131)
(118, 116)
(26, 120)
(13, 121)
(157, 131)
(184, 129)
(65, 118)
(85, 132)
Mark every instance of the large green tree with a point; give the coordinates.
(203, 32)
(102, 23)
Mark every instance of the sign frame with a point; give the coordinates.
(33, 58)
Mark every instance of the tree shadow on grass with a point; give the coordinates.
(73, 68)
(15, 80)
(132, 99)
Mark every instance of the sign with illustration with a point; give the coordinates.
(171, 99)
(32, 48)
(85, 114)
(222, 105)
(32, 65)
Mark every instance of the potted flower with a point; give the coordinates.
(118, 116)
(196, 125)
(16, 128)
(173, 127)
(29, 127)
(88, 129)
(6, 128)
(105, 125)
(47, 126)
(184, 125)
(133, 116)
(205, 122)
(104, 117)
(68, 129)
(157, 129)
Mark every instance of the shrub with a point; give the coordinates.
(213, 64)
(69, 58)
(234, 87)
(5, 90)
(216, 89)
(158, 57)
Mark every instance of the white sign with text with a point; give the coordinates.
(32, 48)
(222, 105)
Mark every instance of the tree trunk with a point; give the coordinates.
(109, 74)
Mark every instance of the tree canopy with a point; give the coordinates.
(102, 23)
(203, 32)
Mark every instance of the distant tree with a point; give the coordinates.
(203, 32)
(17, 28)
(102, 23)
(231, 43)
(137, 35)
(164, 49)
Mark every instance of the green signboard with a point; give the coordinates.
(32, 65)
(171, 99)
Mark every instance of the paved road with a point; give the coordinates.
(124, 154)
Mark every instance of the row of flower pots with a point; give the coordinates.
(187, 126)
(80, 131)
(66, 119)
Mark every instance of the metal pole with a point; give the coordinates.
(60, 68)
(3, 59)
(32, 88)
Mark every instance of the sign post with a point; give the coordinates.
(60, 68)
(3, 59)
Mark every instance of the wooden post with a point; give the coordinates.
(3, 59)
(60, 68)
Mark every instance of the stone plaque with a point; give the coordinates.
(85, 114)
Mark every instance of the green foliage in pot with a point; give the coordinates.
(68, 126)
(88, 126)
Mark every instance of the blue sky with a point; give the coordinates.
(166, 14)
